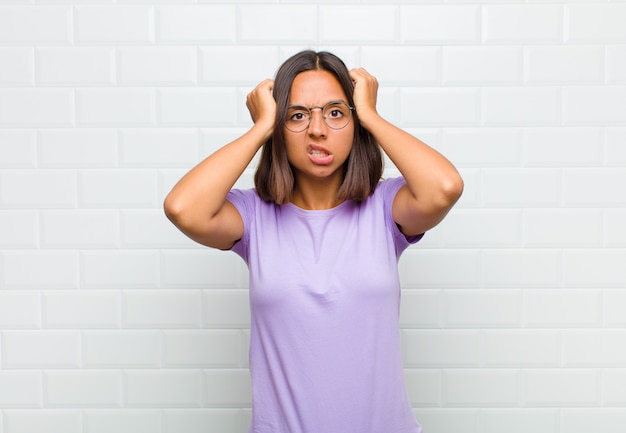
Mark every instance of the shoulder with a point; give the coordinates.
(389, 187)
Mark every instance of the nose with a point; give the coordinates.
(317, 125)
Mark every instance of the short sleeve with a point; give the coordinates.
(245, 203)
(389, 188)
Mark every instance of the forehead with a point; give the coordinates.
(315, 87)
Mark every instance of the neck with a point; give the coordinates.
(318, 195)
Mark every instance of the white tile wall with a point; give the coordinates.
(514, 308)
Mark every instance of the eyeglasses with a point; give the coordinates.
(336, 115)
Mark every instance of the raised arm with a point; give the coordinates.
(433, 183)
(197, 204)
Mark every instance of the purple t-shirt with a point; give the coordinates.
(325, 352)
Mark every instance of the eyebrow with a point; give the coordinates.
(336, 101)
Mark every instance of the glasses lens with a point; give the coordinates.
(336, 115)
(297, 118)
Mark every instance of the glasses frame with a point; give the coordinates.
(322, 108)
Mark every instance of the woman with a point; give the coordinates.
(321, 234)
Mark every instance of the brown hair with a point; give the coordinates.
(274, 179)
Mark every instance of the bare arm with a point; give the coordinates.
(433, 183)
(197, 204)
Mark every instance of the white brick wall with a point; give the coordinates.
(514, 308)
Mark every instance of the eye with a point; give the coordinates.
(297, 114)
(336, 111)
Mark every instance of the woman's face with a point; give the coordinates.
(318, 151)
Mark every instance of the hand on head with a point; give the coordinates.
(365, 91)
(261, 103)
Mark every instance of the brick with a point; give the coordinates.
(119, 269)
(614, 304)
(231, 64)
(19, 229)
(528, 24)
(441, 348)
(594, 187)
(594, 105)
(80, 229)
(210, 24)
(122, 421)
(20, 309)
(581, 420)
(278, 23)
(520, 420)
(439, 107)
(614, 385)
(157, 65)
(421, 309)
(482, 65)
(335, 28)
(36, 107)
(211, 139)
(494, 388)
(18, 148)
(511, 268)
(595, 23)
(47, 25)
(483, 147)
(521, 348)
(204, 349)
(75, 66)
(225, 309)
(82, 309)
(162, 309)
(43, 421)
(614, 148)
(159, 147)
(489, 228)
(18, 67)
(20, 389)
(77, 148)
(403, 65)
(429, 269)
(594, 267)
(559, 387)
(198, 107)
(203, 269)
(483, 308)
(151, 229)
(614, 230)
(559, 65)
(164, 388)
(121, 349)
(550, 227)
(116, 107)
(616, 64)
(113, 25)
(424, 387)
(228, 388)
(513, 106)
(449, 420)
(83, 388)
(118, 188)
(32, 269)
(526, 187)
(204, 420)
(37, 189)
(562, 147)
(562, 308)
(41, 349)
(432, 24)
(594, 348)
